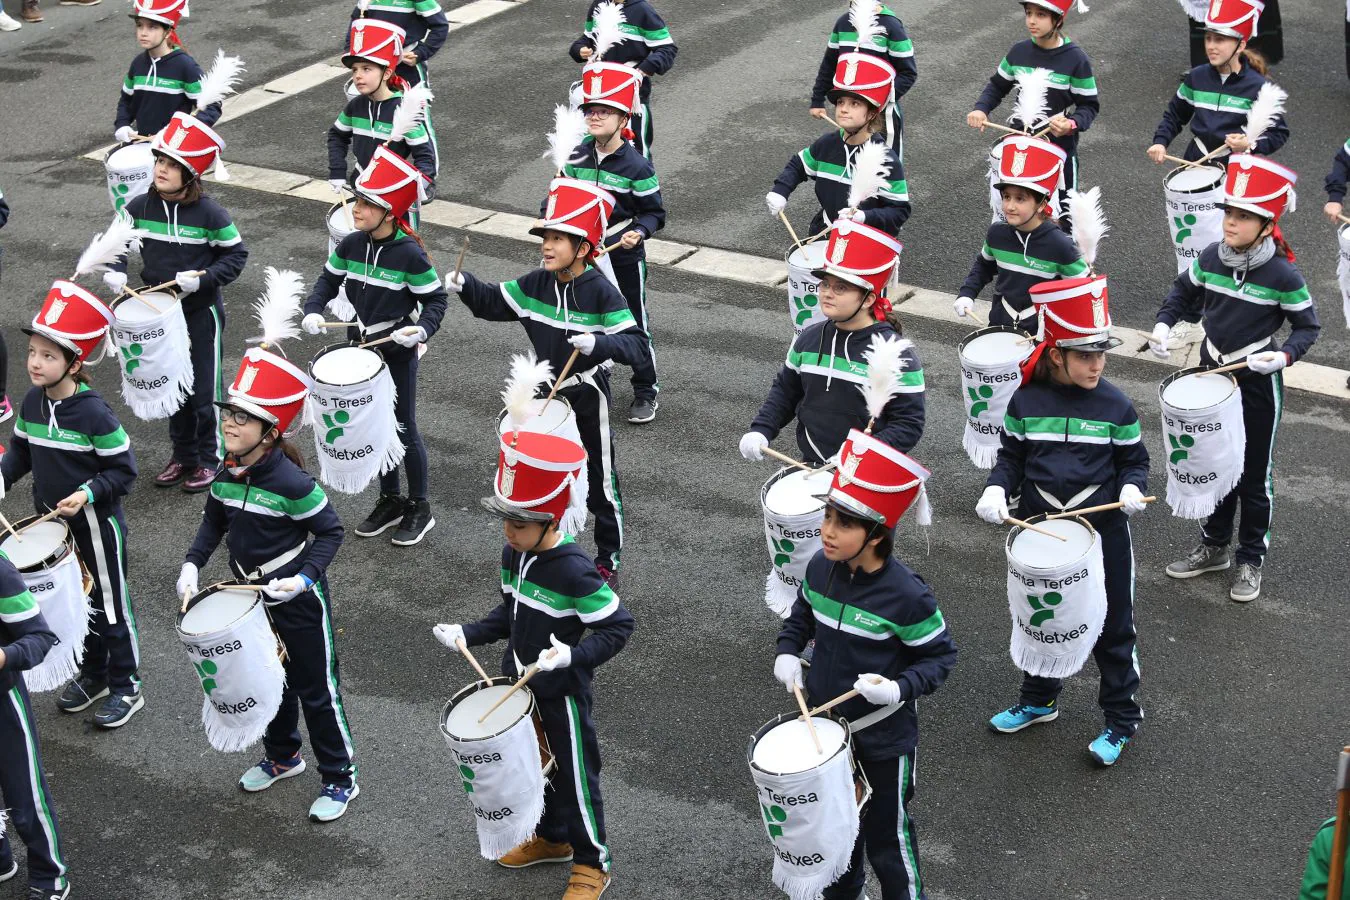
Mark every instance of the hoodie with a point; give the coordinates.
(24, 634)
(155, 89)
(365, 124)
(893, 46)
(829, 163)
(1072, 86)
(649, 44)
(1017, 260)
(187, 237)
(1216, 106)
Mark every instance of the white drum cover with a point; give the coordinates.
(803, 288)
(59, 591)
(990, 374)
(130, 171)
(154, 355)
(1205, 439)
(1343, 267)
(1192, 196)
(351, 406)
(792, 520)
(1056, 595)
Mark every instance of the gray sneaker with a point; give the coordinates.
(1247, 584)
(1202, 559)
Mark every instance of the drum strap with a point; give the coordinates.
(874, 717)
(271, 565)
(1014, 314)
(618, 227)
(587, 377)
(1072, 502)
(1238, 354)
(372, 329)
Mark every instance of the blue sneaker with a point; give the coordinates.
(332, 803)
(1015, 718)
(1106, 749)
(269, 772)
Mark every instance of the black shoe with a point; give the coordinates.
(387, 513)
(417, 521)
(81, 693)
(118, 709)
(37, 893)
(642, 410)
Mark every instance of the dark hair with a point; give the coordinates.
(193, 189)
(1041, 371)
(874, 529)
(893, 320)
(1255, 59)
(291, 451)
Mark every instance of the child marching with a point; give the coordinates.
(1072, 95)
(570, 310)
(397, 295)
(1071, 439)
(1335, 185)
(281, 532)
(80, 458)
(163, 80)
(878, 631)
(1243, 290)
(190, 240)
(559, 614)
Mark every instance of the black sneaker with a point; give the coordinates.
(118, 709)
(417, 521)
(37, 893)
(81, 693)
(642, 410)
(387, 513)
(8, 870)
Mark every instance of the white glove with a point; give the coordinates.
(449, 635)
(993, 505)
(312, 323)
(115, 281)
(776, 202)
(410, 336)
(187, 581)
(585, 342)
(858, 216)
(1267, 363)
(753, 445)
(964, 306)
(787, 668)
(124, 135)
(190, 282)
(455, 283)
(287, 588)
(1157, 342)
(1133, 500)
(337, 184)
(877, 690)
(560, 657)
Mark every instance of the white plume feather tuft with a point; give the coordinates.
(109, 247)
(221, 81)
(278, 307)
(1196, 11)
(411, 110)
(1033, 98)
(862, 15)
(885, 361)
(609, 22)
(1089, 222)
(528, 374)
(362, 6)
(569, 127)
(1266, 108)
(871, 173)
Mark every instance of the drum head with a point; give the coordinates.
(1193, 390)
(346, 365)
(134, 309)
(1190, 179)
(461, 720)
(1039, 551)
(41, 545)
(340, 222)
(808, 257)
(215, 610)
(996, 347)
(794, 493)
(130, 158)
(788, 748)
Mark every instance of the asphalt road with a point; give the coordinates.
(1218, 795)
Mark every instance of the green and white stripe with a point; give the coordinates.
(591, 608)
(1061, 429)
(567, 319)
(582, 785)
(1030, 265)
(188, 234)
(1215, 101)
(425, 8)
(159, 85)
(613, 182)
(897, 190)
(42, 801)
(58, 438)
(378, 130)
(1289, 301)
(653, 37)
(19, 607)
(266, 503)
(882, 42)
(1086, 87)
(331, 679)
(850, 370)
(383, 276)
(866, 624)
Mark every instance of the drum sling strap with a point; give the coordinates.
(270, 566)
(874, 717)
(1072, 502)
(1238, 354)
(1016, 316)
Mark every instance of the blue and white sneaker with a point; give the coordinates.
(118, 709)
(1015, 718)
(1108, 746)
(269, 772)
(332, 803)
(8, 870)
(41, 893)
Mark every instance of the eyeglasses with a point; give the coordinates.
(237, 416)
(599, 112)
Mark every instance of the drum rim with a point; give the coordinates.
(1196, 370)
(347, 345)
(476, 687)
(793, 248)
(56, 557)
(1040, 517)
(557, 398)
(1195, 190)
(779, 476)
(128, 145)
(334, 208)
(121, 301)
(201, 595)
(786, 717)
(992, 329)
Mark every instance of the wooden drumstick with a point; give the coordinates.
(1345, 219)
(1029, 527)
(336, 324)
(464, 648)
(1006, 128)
(529, 673)
(571, 360)
(259, 588)
(47, 518)
(842, 698)
(1093, 509)
(784, 458)
(976, 319)
(10, 528)
(463, 251)
(810, 726)
(384, 340)
(1229, 368)
(170, 283)
(792, 232)
(826, 116)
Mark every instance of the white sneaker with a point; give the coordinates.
(7, 23)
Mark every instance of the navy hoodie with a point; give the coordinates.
(829, 163)
(885, 623)
(893, 46)
(155, 89)
(557, 592)
(1216, 108)
(649, 43)
(1073, 87)
(1017, 260)
(365, 124)
(187, 237)
(24, 634)
(630, 177)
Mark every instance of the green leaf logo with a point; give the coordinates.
(334, 423)
(1179, 447)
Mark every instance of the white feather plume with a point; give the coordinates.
(362, 6)
(221, 81)
(522, 385)
(609, 22)
(109, 247)
(871, 173)
(1195, 10)
(278, 307)
(1266, 108)
(1089, 222)
(885, 361)
(1033, 98)
(411, 110)
(569, 127)
(862, 15)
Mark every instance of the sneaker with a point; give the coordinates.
(808, 653)
(37, 893)
(31, 12)
(1106, 749)
(171, 474)
(388, 513)
(269, 772)
(642, 410)
(1202, 559)
(534, 851)
(6, 411)
(8, 24)
(332, 802)
(1247, 584)
(81, 693)
(199, 479)
(611, 577)
(9, 871)
(586, 883)
(417, 521)
(1015, 718)
(118, 709)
